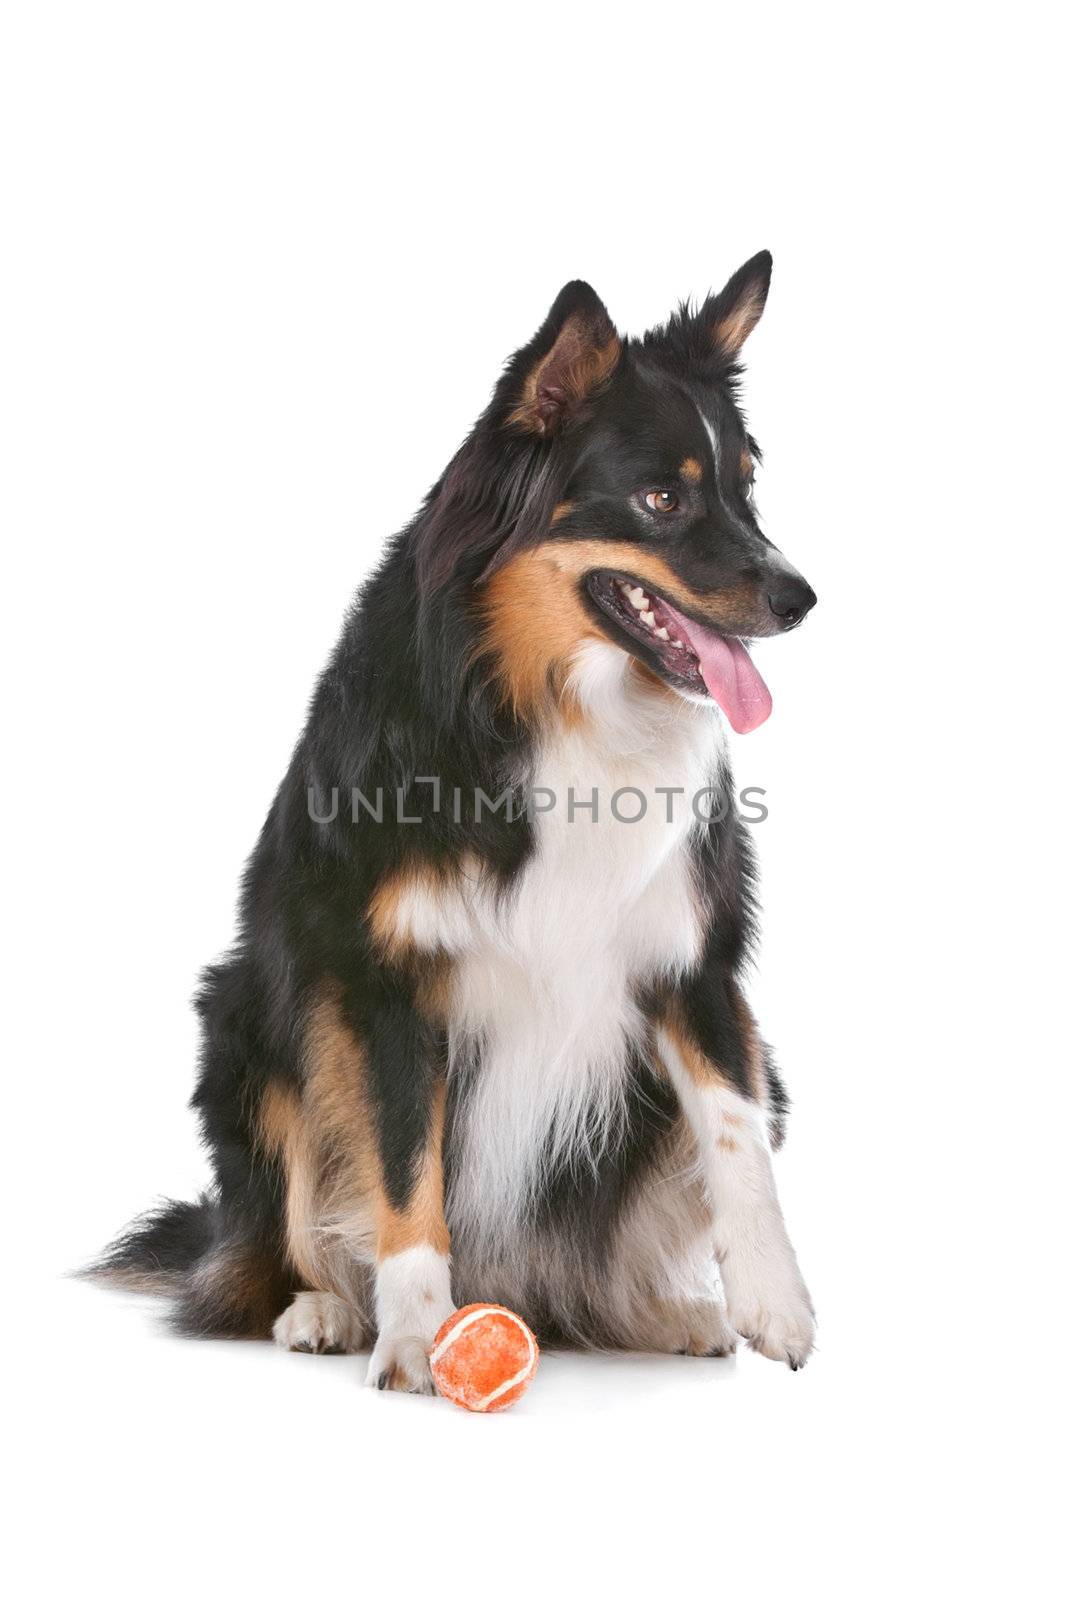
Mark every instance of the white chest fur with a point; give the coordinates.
(544, 976)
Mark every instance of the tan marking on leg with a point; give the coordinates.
(700, 1067)
(285, 1135)
(755, 1073)
(335, 1064)
(332, 1231)
(338, 1217)
(422, 1221)
(703, 1070)
(691, 470)
(354, 1184)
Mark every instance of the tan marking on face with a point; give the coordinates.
(535, 624)
(577, 367)
(535, 621)
(564, 509)
(738, 608)
(691, 470)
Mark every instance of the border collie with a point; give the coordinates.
(483, 1036)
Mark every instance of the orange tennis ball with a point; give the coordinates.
(483, 1358)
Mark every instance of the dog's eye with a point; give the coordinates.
(663, 500)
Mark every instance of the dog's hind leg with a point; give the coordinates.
(319, 1323)
(665, 1288)
(693, 1328)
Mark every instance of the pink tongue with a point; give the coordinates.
(728, 671)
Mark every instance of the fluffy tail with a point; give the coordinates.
(226, 1274)
(159, 1250)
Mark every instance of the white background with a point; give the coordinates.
(262, 264)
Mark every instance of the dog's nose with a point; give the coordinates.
(790, 598)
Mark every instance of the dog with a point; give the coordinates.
(483, 1035)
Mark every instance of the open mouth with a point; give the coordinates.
(687, 653)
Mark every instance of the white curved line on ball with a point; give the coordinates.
(476, 1316)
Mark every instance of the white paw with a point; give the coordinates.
(775, 1316)
(318, 1324)
(707, 1331)
(401, 1363)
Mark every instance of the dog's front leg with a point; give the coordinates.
(766, 1297)
(412, 1289)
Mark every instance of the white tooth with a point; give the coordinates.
(676, 643)
(647, 619)
(661, 633)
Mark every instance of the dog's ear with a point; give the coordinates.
(570, 359)
(733, 313)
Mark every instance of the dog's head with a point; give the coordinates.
(612, 481)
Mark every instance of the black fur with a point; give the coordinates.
(407, 694)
